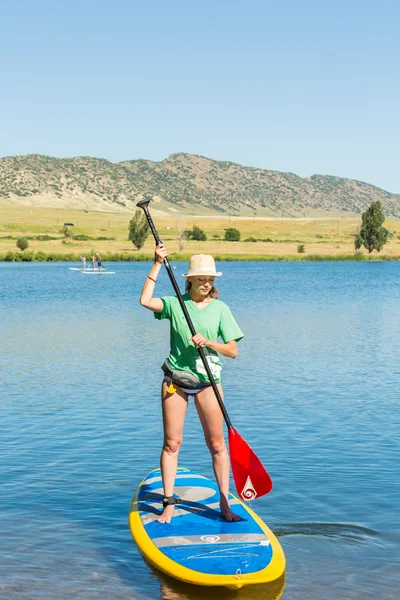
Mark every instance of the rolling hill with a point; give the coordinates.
(183, 182)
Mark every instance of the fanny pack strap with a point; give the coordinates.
(181, 378)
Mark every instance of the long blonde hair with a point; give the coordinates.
(214, 293)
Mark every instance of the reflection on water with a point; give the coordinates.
(314, 391)
(171, 589)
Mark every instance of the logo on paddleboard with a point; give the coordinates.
(248, 492)
(210, 538)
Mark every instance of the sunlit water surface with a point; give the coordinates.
(315, 391)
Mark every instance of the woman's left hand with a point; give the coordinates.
(199, 340)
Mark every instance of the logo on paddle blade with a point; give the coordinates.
(248, 492)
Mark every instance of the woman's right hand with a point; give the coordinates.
(160, 253)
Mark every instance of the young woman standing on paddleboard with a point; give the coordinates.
(185, 374)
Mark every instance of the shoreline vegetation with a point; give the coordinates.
(180, 257)
(324, 238)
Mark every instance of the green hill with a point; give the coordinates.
(183, 182)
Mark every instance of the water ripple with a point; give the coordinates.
(330, 530)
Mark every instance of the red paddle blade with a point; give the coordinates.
(251, 478)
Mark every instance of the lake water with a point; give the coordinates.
(315, 391)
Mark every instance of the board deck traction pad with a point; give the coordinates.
(199, 545)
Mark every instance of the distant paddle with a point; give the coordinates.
(251, 478)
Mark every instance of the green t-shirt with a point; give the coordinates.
(213, 321)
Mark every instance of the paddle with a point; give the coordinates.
(251, 478)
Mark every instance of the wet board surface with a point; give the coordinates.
(199, 546)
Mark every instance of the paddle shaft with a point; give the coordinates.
(144, 205)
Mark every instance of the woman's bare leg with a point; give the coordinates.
(174, 410)
(212, 421)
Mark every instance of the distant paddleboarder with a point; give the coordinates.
(98, 258)
(184, 371)
(92, 260)
(83, 260)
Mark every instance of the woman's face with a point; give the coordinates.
(202, 284)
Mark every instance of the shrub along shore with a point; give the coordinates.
(29, 256)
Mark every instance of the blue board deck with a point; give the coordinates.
(199, 545)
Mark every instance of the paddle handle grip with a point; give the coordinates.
(144, 204)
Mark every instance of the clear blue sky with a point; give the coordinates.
(301, 86)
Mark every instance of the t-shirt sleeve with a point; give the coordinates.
(228, 328)
(166, 311)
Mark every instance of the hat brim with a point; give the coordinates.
(199, 274)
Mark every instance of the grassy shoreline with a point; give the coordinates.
(262, 239)
(29, 256)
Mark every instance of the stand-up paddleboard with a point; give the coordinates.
(98, 272)
(82, 269)
(199, 546)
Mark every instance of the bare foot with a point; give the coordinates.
(167, 514)
(226, 511)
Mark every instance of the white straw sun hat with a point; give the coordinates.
(202, 264)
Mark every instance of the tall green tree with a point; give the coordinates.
(138, 229)
(372, 235)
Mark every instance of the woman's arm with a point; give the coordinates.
(228, 349)
(146, 299)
